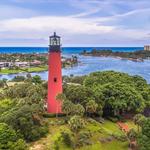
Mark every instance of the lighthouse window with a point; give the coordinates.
(55, 79)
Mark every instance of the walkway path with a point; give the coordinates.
(124, 127)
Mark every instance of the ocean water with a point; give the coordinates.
(90, 64)
(65, 50)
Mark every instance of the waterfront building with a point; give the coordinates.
(11, 64)
(54, 75)
(147, 47)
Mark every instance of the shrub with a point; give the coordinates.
(56, 145)
(2, 84)
(113, 119)
(18, 78)
(19, 145)
(78, 109)
(67, 138)
(83, 138)
(9, 140)
(76, 123)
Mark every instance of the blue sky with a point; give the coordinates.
(78, 22)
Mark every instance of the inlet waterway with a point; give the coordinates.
(90, 64)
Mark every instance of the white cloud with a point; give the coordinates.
(95, 21)
(9, 11)
(51, 23)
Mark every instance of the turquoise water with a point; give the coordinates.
(90, 64)
(65, 50)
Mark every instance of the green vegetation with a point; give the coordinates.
(21, 108)
(33, 63)
(12, 57)
(111, 93)
(94, 136)
(9, 139)
(144, 136)
(141, 54)
(92, 107)
(18, 70)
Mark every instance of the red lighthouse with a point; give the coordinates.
(54, 75)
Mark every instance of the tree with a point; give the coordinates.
(36, 79)
(144, 137)
(78, 94)
(1, 84)
(5, 82)
(26, 120)
(132, 135)
(115, 93)
(18, 78)
(31, 93)
(76, 123)
(91, 106)
(67, 107)
(29, 76)
(9, 140)
(121, 98)
(119, 92)
(78, 110)
(139, 120)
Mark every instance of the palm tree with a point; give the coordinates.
(91, 106)
(132, 135)
(5, 82)
(76, 123)
(138, 120)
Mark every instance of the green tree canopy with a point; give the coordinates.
(9, 140)
(26, 120)
(118, 92)
(144, 137)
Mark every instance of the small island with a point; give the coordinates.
(137, 56)
(17, 63)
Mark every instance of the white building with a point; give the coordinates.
(10, 64)
(21, 64)
(147, 48)
(5, 64)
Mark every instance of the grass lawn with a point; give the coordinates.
(30, 69)
(98, 131)
(103, 131)
(111, 127)
(114, 145)
(10, 71)
(37, 69)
